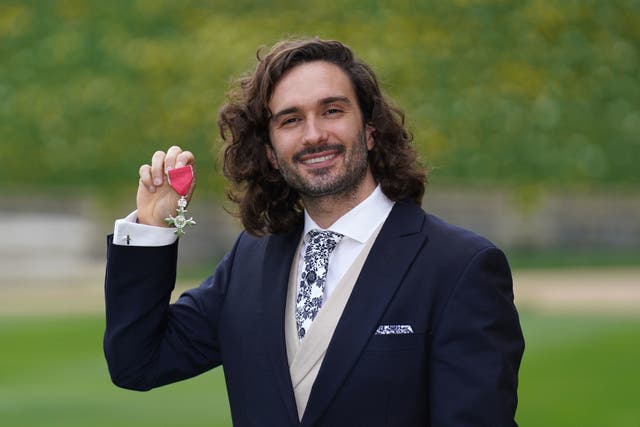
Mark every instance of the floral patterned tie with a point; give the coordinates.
(314, 277)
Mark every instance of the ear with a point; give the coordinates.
(271, 156)
(369, 131)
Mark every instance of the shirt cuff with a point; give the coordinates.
(127, 232)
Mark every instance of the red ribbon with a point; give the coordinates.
(180, 179)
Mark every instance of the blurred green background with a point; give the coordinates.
(532, 96)
(577, 371)
(498, 92)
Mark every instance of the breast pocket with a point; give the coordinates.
(393, 372)
(396, 342)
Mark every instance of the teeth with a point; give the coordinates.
(318, 159)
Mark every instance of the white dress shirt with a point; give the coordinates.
(356, 226)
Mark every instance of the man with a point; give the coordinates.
(343, 303)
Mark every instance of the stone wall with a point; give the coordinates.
(48, 237)
(547, 220)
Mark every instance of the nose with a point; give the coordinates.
(314, 133)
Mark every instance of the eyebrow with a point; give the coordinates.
(323, 101)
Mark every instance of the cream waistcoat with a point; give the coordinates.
(305, 358)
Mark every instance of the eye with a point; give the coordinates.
(289, 121)
(333, 111)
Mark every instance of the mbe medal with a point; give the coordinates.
(180, 180)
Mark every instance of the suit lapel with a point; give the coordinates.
(390, 257)
(278, 257)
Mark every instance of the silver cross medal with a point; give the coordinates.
(180, 221)
(180, 180)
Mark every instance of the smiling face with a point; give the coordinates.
(319, 142)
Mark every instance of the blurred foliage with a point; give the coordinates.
(516, 93)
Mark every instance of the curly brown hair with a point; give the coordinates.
(266, 203)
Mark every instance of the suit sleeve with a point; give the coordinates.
(147, 341)
(477, 347)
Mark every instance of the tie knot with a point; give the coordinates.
(319, 239)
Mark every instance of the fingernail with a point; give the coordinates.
(157, 180)
(152, 189)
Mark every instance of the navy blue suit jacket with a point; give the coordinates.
(458, 368)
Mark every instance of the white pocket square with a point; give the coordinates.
(394, 329)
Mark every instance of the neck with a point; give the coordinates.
(326, 210)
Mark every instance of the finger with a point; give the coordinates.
(184, 158)
(157, 167)
(170, 160)
(146, 179)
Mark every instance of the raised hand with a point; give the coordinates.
(156, 200)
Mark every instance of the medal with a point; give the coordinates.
(180, 180)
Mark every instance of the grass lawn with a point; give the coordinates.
(580, 372)
(577, 371)
(53, 373)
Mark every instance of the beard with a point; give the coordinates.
(324, 181)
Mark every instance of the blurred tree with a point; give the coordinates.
(533, 93)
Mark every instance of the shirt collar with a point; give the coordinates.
(361, 221)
